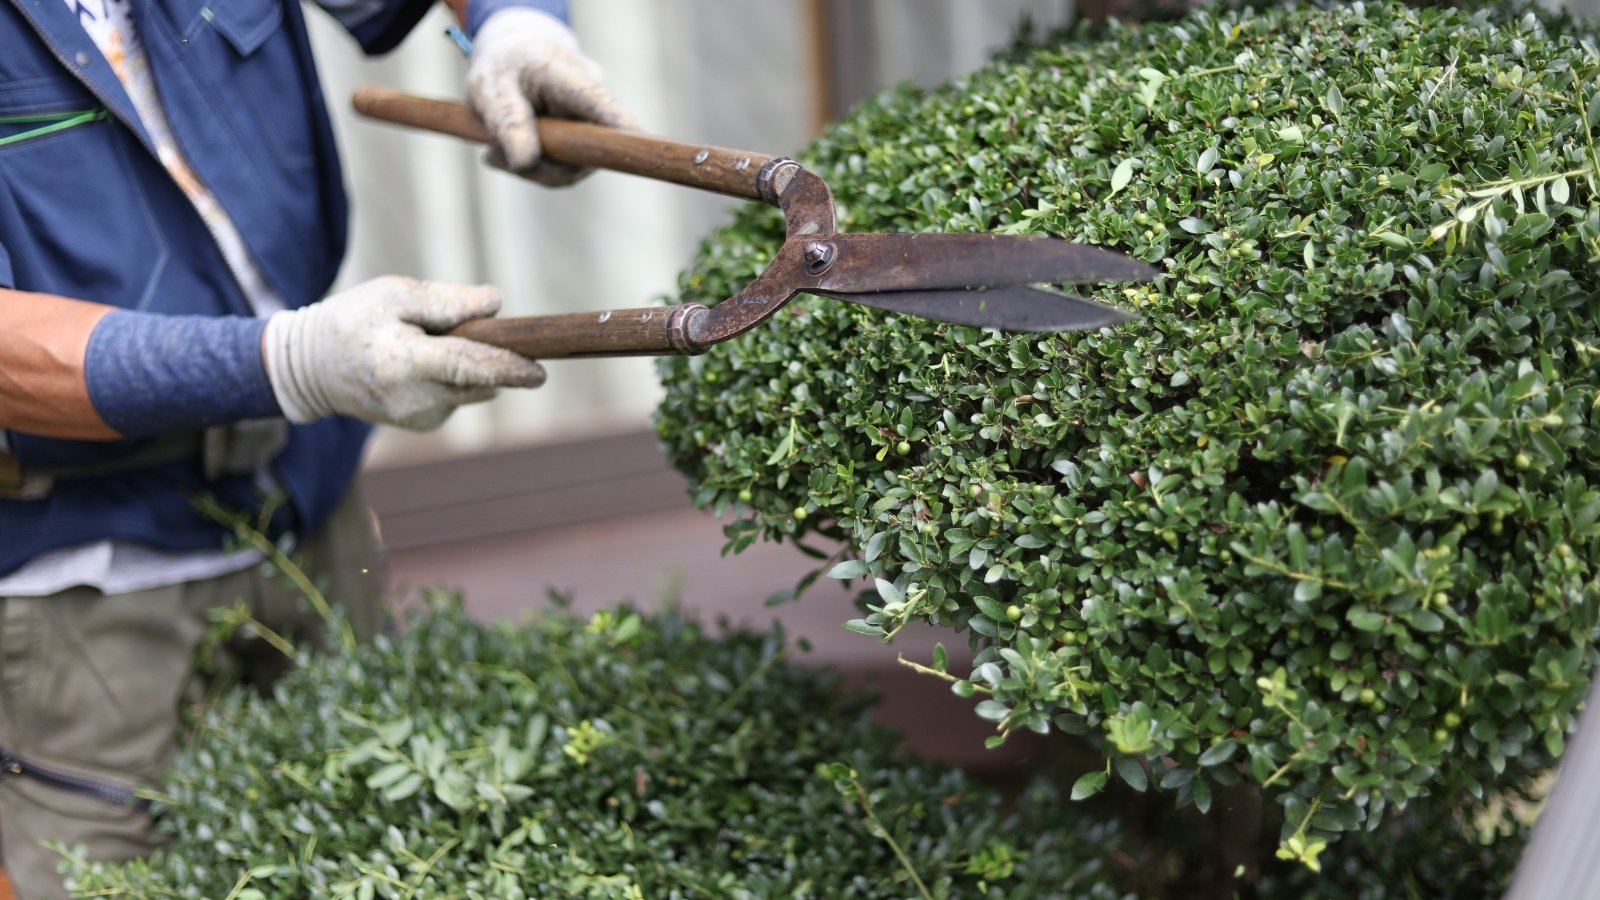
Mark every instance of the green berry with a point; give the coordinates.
(800, 513)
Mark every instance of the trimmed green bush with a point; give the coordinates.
(622, 756)
(1326, 520)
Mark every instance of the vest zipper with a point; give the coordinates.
(105, 791)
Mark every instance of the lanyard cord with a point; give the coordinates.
(49, 123)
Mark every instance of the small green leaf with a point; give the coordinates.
(1560, 191)
(1122, 175)
(1427, 621)
(1394, 240)
(1202, 794)
(394, 733)
(1088, 785)
(850, 568)
(785, 447)
(403, 788)
(990, 607)
(1131, 769)
(1365, 619)
(1218, 753)
(388, 775)
(888, 591)
(862, 626)
(993, 710)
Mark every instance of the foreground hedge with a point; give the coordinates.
(1326, 520)
(621, 756)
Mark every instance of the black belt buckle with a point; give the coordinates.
(17, 483)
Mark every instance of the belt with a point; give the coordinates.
(236, 449)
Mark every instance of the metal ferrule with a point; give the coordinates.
(685, 327)
(774, 178)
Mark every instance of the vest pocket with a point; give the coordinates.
(74, 216)
(245, 25)
(37, 107)
(242, 61)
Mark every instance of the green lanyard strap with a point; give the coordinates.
(49, 123)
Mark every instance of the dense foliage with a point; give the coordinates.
(1326, 520)
(622, 756)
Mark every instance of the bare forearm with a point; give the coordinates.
(83, 371)
(43, 342)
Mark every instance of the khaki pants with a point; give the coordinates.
(91, 684)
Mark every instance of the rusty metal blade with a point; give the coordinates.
(862, 263)
(1008, 308)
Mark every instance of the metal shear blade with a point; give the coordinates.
(982, 280)
(1007, 307)
(900, 262)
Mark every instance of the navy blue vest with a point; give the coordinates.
(88, 212)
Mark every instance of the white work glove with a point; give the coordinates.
(368, 353)
(527, 62)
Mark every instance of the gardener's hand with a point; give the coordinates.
(368, 353)
(527, 62)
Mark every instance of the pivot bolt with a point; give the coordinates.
(818, 257)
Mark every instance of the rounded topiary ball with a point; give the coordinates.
(1326, 519)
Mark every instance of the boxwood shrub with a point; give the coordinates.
(620, 756)
(1326, 520)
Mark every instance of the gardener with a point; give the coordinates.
(171, 215)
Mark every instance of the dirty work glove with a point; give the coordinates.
(368, 353)
(525, 61)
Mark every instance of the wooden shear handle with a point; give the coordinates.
(736, 173)
(649, 331)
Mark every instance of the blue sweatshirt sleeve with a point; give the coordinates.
(380, 25)
(151, 374)
(478, 11)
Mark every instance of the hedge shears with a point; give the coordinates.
(981, 280)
